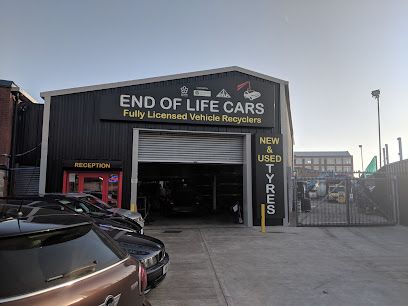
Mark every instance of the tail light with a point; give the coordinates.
(142, 278)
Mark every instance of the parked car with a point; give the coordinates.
(96, 200)
(313, 194)
(88, 204)
(183, 199)
(337, 193)
(150, 251)
(54, 258)
(112, 198)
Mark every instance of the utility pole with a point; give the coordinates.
(386, 154)
(376, 95)
(362, 163)
(400, 148)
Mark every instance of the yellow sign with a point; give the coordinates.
(93, 165)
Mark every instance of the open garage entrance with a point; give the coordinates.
(188, 178)
(190, 193)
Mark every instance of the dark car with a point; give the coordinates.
(54, 258)
(184, 199)
(82, 205)
(150, 251)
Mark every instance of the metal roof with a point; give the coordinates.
(159, 79)
(322, 153)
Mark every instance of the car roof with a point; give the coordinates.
(70, 194)
(36, 220)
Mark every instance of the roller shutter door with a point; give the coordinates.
(182, 147)
(27, 181)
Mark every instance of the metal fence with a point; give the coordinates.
(345, 200)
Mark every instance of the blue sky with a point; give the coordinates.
(333, 53)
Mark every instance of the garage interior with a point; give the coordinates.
(190, 177)
(190, 194)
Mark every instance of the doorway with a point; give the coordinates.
(191, 194)
(105, 185)
(190, 149)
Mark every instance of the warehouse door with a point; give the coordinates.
(190, 148)
(187, 161)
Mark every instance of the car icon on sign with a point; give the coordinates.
(251, 94)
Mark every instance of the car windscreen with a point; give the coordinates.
(80, 206)
(96, 201)
(38, 261)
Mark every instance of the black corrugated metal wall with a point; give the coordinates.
(29, 130)
(76, 132)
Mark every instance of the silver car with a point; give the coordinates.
(115, 210)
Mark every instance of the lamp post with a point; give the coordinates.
(362, 163)
(376, 94)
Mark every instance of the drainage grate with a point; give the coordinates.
(172, 232)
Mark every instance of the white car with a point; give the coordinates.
(313, 194)
(251, 94)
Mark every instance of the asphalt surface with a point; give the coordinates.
(286, 266)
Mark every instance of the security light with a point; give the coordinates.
(375, 93)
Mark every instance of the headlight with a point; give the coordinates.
(149, 262)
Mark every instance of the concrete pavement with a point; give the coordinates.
(286, 266)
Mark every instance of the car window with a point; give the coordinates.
(73, 205)
(96, 201)
(38, 261)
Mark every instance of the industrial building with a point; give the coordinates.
(201, 141)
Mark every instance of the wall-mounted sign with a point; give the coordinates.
(92, 165)
(235, 100)
(269, 174)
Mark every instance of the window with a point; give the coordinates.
(46, 259)
(331, 161)
(308, 161)
(339, 161)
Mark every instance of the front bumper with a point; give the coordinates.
(155, 273)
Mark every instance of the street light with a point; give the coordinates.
(362, 163)
(376, 95)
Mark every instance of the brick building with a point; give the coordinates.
(13, 100)
(323, 162)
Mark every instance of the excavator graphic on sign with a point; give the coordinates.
(249, 93)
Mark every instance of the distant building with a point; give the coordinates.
(318, 162)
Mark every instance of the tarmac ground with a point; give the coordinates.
(285, 266)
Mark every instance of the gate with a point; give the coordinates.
(345, 200)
